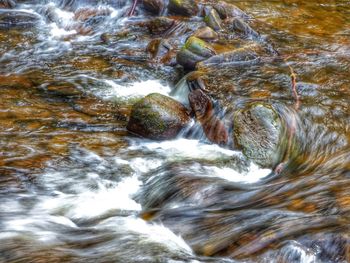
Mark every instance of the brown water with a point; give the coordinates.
(74, 185)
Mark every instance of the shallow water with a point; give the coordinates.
(75, 186)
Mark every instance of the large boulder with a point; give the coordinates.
(258, 130)
(158, 117)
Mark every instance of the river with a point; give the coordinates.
(75, 186)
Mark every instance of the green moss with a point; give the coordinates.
(177, 2)
(157, 117)
(150, 119)
(212, 19)
(199, 47)
(192, 42)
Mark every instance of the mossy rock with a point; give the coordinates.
(258, 131)
(183, 7)
(158, 117)
(212, 19)
(194, 50)
(199, 47)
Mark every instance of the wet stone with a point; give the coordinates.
(86, 13)
(194, 50)
(205, 33)
(50, 14)
(15, 81)
(227, 10)
(240, 27)
(160, 25)
(161, 52)
(63, 89)
(17, 19)
(212, 19)
(7, 4)
(239, 57)
(156, 47)
(50, 114)
(203, 108)
(158, 117)
(258, 130)
(183, 7)
(153, 6)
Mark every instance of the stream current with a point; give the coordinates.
(75, 186)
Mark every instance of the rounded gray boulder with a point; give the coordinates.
(258, 131)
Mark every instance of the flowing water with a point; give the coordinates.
(75, 186)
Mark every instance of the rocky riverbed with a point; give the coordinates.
(174, 131)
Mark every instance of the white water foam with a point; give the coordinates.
(157, 233)
(59, 29)
(109, 89)
(73, 197)
(58, 32)
(144, 165)
(254, 174)
(61, 210)
(65, 16)
(182, 149)
(91, 203)
(295, 250)
(136, 89)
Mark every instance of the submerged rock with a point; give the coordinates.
(85, 13)
(239, 57)
(161, 51)
(49, 14)
(226, 10)
(183, 7)
(7, 4)
(194, 50)
(158, 47)
(239, 26)
(158, 117)
(153, 6)
(17, 19)
(160, 25)
(15, 81)
(258, 130)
